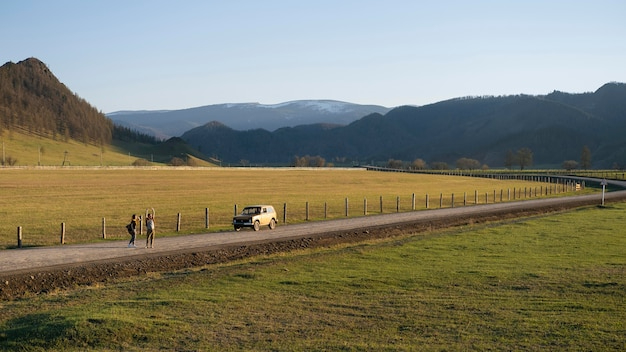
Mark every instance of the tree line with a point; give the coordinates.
(522, 158)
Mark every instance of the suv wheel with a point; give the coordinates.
(256, 225)
(237, 228)
(272, 224)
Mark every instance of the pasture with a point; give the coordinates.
(39, 200)
(555, 282)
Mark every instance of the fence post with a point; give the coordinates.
(325, 210)
(452, 204)
(475, 197)
(307, 212)
(178, 223)
(381, 204)
(235, 210)
(346, 206)
(284, 213)
(464, 198)
(62, 233)
(440, 200)
(426, 200)
(104, 228)
(397, 204)
(19, 237)
(413, 201)
(206, 217)
(365, 206)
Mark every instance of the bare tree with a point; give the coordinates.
(394, 164)
(418, 164)
(569, 165)
(585, 158)
(524, 158)
(439, 165)
(467, 164)
(509, 159)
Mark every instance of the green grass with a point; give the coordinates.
(39, 200)
(32, 150)
(548, 283)
(28, 150)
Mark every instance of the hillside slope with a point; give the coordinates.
(555, 127)
(43, 123)
(33, 99)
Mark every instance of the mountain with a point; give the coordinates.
(43, 123)
(555, 127)
(245, 116)
(33, 99)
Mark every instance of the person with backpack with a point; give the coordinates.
(132, 230)
(150, 231)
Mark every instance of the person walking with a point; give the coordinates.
(134, 224)
(150, 231)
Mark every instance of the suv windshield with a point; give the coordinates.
(251, 211)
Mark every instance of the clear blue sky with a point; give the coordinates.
(152, 54)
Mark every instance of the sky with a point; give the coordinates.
(167, 55)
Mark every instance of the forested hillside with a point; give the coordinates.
(35, 104)
(33, 99)
(555, 127)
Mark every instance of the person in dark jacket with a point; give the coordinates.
(134, 224)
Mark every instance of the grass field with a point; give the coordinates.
(39, 199)
(552, 283)
(32, 150)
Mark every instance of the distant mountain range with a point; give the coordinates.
(245, 116)
(555, 127)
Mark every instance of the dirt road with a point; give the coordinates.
(38, 270)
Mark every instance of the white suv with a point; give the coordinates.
(255, 216)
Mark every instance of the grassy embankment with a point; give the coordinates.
(39, 200)
(549, 283)
(32, 150)
(23, 149)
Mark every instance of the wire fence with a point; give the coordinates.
(206, 220)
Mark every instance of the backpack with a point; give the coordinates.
(130, 229)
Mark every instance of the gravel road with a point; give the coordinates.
(44, 269)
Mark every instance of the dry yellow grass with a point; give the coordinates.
(39, 200)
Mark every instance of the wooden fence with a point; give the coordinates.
(205, 221)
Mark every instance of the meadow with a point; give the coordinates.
(40, 199)
(554, 282)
